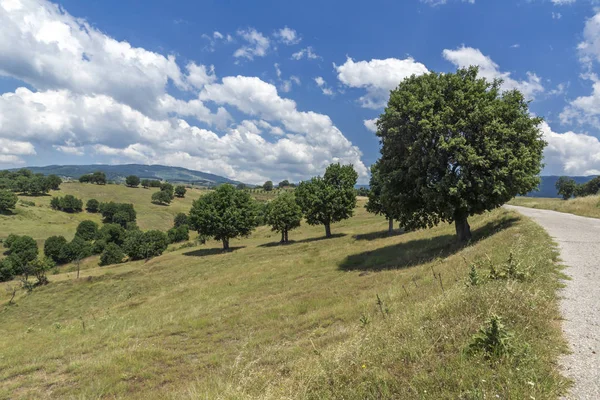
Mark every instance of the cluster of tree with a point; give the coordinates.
(227, 213)
(167, 193)
(180, 231)
(122, 214)
(26, 182)
(453, 145)
(146, 183)
(567, 187)
(68, 203)
(362, 191)
(97, 177)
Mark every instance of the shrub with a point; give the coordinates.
(493, 339)
(161, 197)
(77, 249)
(8, 201)
(180, 219)
(53, 247)
(111, 209)
(140, 245)
(53, 182)
(112, 254)
(39, 268)
(180, 191)
(7, 269)
(22, 250)
(132, 181)
(92, 205)
(179, 234)
(69, 204)
(87, 230)
(112, 233)
(99, 246)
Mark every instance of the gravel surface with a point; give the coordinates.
(579, 242)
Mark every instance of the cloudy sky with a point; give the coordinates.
(257, 90)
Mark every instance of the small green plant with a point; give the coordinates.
(512, 269)
(364, 320)
(473, 279)
(493, 339)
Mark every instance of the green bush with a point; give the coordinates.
(112, 233)
(112, 254)
(53, 247)
(161, 197)
(77, 249)
(126, 213)
(140, 245)
(7, 269)
(99, 246)
(132, 181)
(22, 250)
(69, 204)
(92, 205)
(87, 230)
(8, 201)
(167, 187)
(180, 191)
(179, 234)
(180, 219)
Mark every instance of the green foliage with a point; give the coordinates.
(283, 183)
(132, 181)
(512, 269)
(362, 191)
(92, 206)
(154, 183)
(69, 204)
(140, 245)
(180, 219)
(76, 249)
(241, 186)
(22, 250)
(87, 230)
(7, 269)
(53, 247)
(8, 201)
(590, 188)
(329, 199)
(493, 339)
(268, 186)
(180, 191)
(455, 145)
(168, 188)
(566, 187)
(119, 213)
(99, 246)
(39, 268)
(161, 197)
(97, 177)
(145, 183)
(112, 254)
(53, 182)
(379, 203)
(224, 214)
(178, 234)
(474, 278)
(112, 233)
(283, 214)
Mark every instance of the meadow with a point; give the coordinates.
(362, 315)
(588, 206)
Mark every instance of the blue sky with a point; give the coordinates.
(275, 90)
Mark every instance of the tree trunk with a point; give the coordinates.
(286, 236)
(328, 230)
(463, 229)
(391, 226)
(225, 244)
(282, 237)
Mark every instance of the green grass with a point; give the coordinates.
(271, 322)
(588, 206)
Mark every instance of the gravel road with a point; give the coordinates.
(579, 242)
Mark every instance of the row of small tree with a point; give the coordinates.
(98, 177)
(26, 182)
(227, 213)
(567, 187)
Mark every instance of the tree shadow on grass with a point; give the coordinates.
(309, 240)
(7, 212)
(210, 252)
(379, 235)
(415, 252)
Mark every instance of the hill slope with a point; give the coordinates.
(119, 172)
(300, 321)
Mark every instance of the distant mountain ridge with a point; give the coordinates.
(547, 186)
(119, 172)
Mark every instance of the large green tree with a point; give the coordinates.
(328, 199)
(455, 145)
(132, 181)
(8, 201)
(224, 214)
(283, 214)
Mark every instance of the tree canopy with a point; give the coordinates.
(566, 187)
(378, 202)
(268, 186)
(8, 201)
(180, 191)
(224, 214)
(455, 145)
(132, 181)
(283, 214)
(328, 199)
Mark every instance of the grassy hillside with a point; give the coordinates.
(588, 206)
(299, 321)
(40, 221)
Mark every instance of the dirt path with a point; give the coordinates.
(579, 242)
